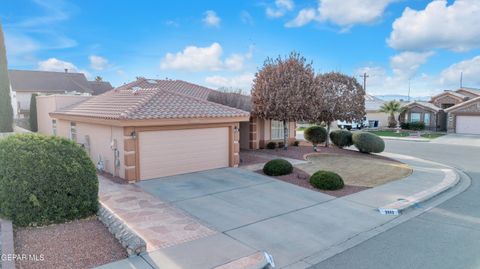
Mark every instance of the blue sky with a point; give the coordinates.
(219, 43)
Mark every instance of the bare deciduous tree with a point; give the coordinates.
(337, 97)
(280, 89)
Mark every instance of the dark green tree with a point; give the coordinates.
(6, 110)
(33, 113)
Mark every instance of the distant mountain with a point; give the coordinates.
(398, 97)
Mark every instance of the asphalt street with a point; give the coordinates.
(447, 236)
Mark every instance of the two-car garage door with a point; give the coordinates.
(165, 153)
(468, 125)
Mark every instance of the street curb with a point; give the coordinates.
(464, 183)
(7, 261)
(450, 179)
(406, 139)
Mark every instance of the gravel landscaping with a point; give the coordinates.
(263, 155)
(79, 244)
(301, 178)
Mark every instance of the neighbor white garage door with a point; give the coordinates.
(468, 125)
(166, 153)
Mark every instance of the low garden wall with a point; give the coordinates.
(133, 243)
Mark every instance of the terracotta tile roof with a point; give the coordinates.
(457, 106)
(459, 95)
(178, 86)
(149, 103)
(427, 105)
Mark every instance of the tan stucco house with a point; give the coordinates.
(153, 128)
(452, 111)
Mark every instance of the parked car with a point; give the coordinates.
(353, 125)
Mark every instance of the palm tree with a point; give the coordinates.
(391, 108)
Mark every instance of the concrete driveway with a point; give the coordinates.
(458, 140)
(288, 221)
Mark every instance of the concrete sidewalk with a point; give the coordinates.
(296, 234)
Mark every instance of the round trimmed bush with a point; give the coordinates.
(315, 135)
(277, 167)
(326, 180)
(341, 138)
(45, 180)
(368, 142)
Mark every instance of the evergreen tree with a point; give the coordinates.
(33, 113)
(6, 110)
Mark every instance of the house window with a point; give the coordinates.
(73, 131)
(54, 127)
(415, 117)
(426, 119)
(277, 129)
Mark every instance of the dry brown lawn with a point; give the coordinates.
(357, 171)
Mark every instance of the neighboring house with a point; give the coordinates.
(148, 129)
(452, 111)
(376, 119)
(464, 118)
(13, 99)
(26, 82)
(99, 87)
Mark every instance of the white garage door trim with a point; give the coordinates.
(468, 125)
(172, 152)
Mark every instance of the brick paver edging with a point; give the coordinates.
(133, 243)
(7, 250)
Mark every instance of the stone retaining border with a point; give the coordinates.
(6, 243)
(133, 243)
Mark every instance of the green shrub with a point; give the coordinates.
(45, 180)
(296, 143)
(271, 145)
(368, 142)
(417, 126)
(405, 125)
(281, 145)
(341, 138)
(277, 167)
(315, 135)
(302, 128)
(326, 180)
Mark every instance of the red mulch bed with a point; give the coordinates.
(300, 178)
(251, 156)
(79, 244)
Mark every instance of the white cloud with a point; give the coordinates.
(281, 7)
(439, 25)
(209, 58)
(243, 81)
(98, 63)
(406, 64)
(194, 58)
(404, 69)
(54, 64)
(304, 17)
(211, 18)
(349, 12)
(450, 76)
